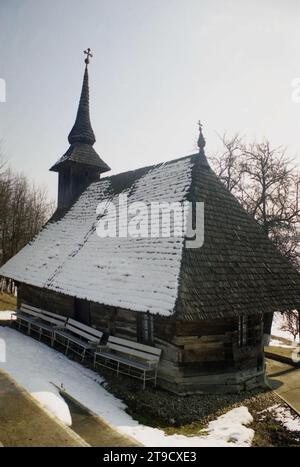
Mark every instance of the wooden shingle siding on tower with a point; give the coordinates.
(80, 165)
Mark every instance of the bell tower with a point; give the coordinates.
(80, 165)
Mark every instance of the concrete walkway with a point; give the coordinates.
(93, 429)
(285, 380)
(23, 422)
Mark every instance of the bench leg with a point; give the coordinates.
(40, 334)
(83, 355)
(118, 366)
(144, 380)
(29, 329)
(52, 339)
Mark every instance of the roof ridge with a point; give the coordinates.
(148, 167)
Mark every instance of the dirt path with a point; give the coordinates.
(285, 380)
(24, 423)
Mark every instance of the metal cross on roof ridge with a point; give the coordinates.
(88, 54)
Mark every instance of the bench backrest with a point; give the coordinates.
(30, 310)
(44, 315)
(53, 318)
(83, 330)
(142, 351)
(31, 307)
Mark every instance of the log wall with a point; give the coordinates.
(46, 300)
(205, 356)
(198, 356)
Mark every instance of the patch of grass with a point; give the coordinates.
(189, 429)
(7, 302)
(282, 351)
(271, 433)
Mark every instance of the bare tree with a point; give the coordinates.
(24, 209)
(265, 181)
(228, 164)
(291, 323)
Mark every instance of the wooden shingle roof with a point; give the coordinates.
(237, 270)
(139, 274)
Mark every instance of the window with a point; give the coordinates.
(145, 328)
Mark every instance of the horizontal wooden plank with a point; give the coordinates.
(84, 327)
(85, 335)
(203, 328)
(135, 345)
(30, 312)
(24, 307)
(203, 346)
(53, 321)
(133, 352)
(54, 315)
(203, 355)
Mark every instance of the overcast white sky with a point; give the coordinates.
(158, 66)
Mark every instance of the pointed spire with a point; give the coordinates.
(81, 137)
(201, 145)
(201, 141)
(82, 131)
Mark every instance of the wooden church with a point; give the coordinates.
(204, 307)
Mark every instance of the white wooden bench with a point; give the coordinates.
(26, 315)
(41, 321)
(78, 337)
(130, 358)
(47, 323)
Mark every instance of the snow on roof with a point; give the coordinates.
(140, 274)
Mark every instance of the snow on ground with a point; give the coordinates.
(55, 404)
(7, 315)
(284, 415)
(35, 366)
(230, 428)
(276, 328)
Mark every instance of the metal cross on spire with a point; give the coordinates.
(88, 56)
(201, 140)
